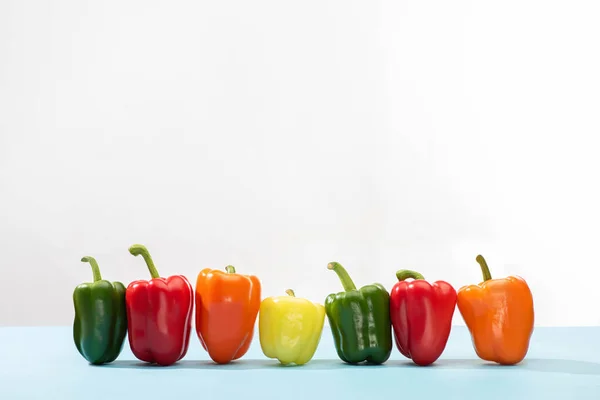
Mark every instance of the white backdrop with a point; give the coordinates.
(278, 136)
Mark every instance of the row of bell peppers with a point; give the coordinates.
(156, 317)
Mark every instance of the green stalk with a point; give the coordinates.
(485, 270)
(290, 292)
(230, 269)
(404, 274)
(343, 275)
(95, 268)
(138, 249)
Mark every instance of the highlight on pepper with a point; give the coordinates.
(359, 320)
(421, 314)
(100, 323)
(290, 328)
(227, 305)
(499, 314)
(159, 314)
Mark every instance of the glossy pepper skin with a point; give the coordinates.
(159, 313)
(227, 305)
(100, 323)
(359, 320)
(290, 328)
(499, 314)
(421, 314)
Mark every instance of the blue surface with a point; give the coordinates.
(563, 363)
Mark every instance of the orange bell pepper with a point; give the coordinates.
(227, 305)
(499, 315)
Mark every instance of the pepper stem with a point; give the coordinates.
(230, 269)
(95, 268)
(290, 292)
(343, 275)
(404, 274)
(138, 249)
(485, 270)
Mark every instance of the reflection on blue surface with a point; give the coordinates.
(537, 364)
(563, 363)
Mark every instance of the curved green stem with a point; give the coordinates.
(138, 249)
(230, 269)
(290, 292)
(485, 270)
(95, 268)
(404, 274)
(343, 275)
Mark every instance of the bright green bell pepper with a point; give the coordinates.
(359, 320)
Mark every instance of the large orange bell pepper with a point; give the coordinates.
(499, 315)
(227, 305)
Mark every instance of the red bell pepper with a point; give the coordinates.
(159, 314)
(421, 315)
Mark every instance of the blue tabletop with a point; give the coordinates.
(563, 363)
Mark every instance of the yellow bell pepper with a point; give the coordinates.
(290, 328)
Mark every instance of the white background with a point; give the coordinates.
(278, 136)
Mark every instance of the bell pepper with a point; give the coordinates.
(421, 314)
(100, 323)
(159, 314)
(227, 305)
(359, 320)
(290, 328)
(499, 315)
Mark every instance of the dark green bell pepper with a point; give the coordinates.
(359, 320)
(100, 324)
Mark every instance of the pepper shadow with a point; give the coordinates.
(550, 365)
(561, 366)
(248, 364)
